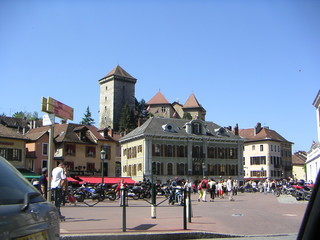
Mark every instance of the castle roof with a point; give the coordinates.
(158, 99)
(192, 102)
(119, 72)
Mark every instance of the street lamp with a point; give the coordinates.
(102, 157)
(262, 172)
(203, 169)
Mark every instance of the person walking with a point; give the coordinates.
(230, 188)
(212, 189)
(204, 187)
(58, 180)
(43, 182)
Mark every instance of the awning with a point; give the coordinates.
(107, 180)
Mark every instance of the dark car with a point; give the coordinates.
(24, 213)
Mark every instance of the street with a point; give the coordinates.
(249, 214)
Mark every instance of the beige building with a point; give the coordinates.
(13, 146)
(166, 148)
(266, 154)
(298, 165)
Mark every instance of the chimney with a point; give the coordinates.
(257, 128)
(110, 132)
(236, 130)
(139, 122)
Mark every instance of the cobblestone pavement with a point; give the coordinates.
(250, 214)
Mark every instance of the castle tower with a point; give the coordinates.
(193, 107)
(117, 88)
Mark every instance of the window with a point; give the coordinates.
(196, 128)
(90, 152)
(261, 148)
(163, 109)
(170, 169)
(11, 154)
(45, 149)
(71, 149)
(91, 167)
(253, 147)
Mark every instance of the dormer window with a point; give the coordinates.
(196, 128)
(168, 128)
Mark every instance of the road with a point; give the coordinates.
(250, 214)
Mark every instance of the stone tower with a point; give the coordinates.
(117, 88)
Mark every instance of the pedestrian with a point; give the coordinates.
(220, 189)
(212, 189)
(43, 182)
(58, 180)
(204, 188)
(230, 188)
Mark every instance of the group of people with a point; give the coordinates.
(216, 189)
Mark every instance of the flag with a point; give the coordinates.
(174, 115)
(148, 109)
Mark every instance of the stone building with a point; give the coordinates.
(117, 89)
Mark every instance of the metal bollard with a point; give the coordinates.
(153, 201)
(123, 204)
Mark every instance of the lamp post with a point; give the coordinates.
(203, 169)
(262, 172)
(102, 156)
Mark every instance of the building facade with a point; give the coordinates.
(298, 165)
(167, 148)
(79, 146)
(266, 154)
(313, 155)
(117, 89)
(13, 146)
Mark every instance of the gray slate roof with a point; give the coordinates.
(153, 126)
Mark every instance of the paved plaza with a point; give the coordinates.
(250, 214)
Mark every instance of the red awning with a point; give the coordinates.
(107, 180)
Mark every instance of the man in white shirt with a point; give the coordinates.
(58, 178)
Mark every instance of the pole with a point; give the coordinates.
(184, 210)
(153, 200)
(50, 160)
(124, 213)
(189, 206)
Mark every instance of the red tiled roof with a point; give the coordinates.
(192, 102)
(264, 134)
(158, 99)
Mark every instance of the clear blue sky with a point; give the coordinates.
(246, 61)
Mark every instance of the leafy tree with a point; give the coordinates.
(127, 120)
(187, 116)
(27, 115)
(87, 119)
(141, 109)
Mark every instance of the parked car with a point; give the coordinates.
(25, 214)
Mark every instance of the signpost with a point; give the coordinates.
(53, 108)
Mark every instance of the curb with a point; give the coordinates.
(147, 236)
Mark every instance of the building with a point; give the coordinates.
(117, 89)
(13, 146)
(298, 165)
(79, 146)
(313, 155)
(266, 154)
(166, 148)
(159, 106)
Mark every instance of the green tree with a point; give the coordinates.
(27, 115)
(187, 116)
(87, 119)
(127, 120)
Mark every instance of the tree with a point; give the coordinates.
(87, 119)
(27, 115)
(127, 120)
(187, 116)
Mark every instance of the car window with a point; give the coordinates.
(13, 186)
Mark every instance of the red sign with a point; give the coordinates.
(58, 108)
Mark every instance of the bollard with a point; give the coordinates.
(189, 206)
(153, 201)
(184, 209)
(123, 204)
